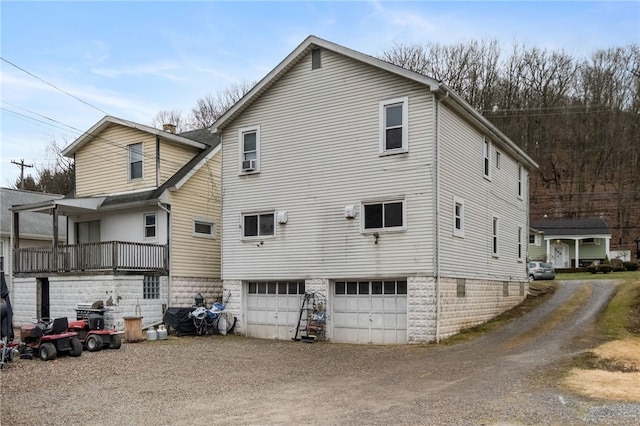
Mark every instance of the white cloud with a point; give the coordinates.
(161, 69)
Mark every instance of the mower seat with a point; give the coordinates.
(60, 325)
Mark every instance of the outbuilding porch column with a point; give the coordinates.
(576, 263)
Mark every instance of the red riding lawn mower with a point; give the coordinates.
(48, 339)
(92, 334)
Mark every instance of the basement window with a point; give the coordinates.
(151, 287)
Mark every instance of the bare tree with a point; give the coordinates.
(173, 117)
(211, 107)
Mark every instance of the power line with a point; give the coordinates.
(54, 86)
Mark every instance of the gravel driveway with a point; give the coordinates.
(506, 377)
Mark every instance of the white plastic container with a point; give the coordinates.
(162, 332)
(152, 334)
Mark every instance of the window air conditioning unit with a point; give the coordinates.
(248, 165)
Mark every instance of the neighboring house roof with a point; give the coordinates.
(32, 225)
(107, 121)
(200, 138)
(572, 227)
(440, 89)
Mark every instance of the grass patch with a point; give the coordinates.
(539, 292)
(626, 275)
(621, 318)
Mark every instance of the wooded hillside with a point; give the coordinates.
(578, 118)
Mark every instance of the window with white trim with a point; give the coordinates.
(383, 215)
(394, 126)
(458, 217)
(494, 236)
(535, 239)
(520, 245)
(150, 225)
(520, 181)
(258, 225)
(135, 161)
(498, 159)
(203, 228)
(249, 149)
(486, 150)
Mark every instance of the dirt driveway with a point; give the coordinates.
(506, 377)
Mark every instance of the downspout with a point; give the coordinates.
(157, 161)
(437, 254)
(168, 211)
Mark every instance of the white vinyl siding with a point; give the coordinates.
(463, 144)
(313, 170)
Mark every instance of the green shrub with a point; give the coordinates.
(593, 268)
(630, 266)
(605, 268)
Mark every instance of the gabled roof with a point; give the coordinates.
(200, 138)
(572, 227)
(32, 225)
(107, 121)
(440, 89)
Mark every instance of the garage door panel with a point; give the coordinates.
(273, 308)
(380, 316)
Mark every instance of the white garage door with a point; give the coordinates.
(370, 311)
(273, 308)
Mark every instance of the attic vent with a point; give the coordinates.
(171, 128)
(316, 59)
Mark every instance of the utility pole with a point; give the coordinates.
(22, 166)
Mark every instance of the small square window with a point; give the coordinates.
(383, 215)
(258, 225)
(394, 126)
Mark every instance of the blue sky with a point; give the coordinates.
(134, 59)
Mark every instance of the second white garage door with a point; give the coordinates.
(370, 311)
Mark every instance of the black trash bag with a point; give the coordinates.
(6, 312)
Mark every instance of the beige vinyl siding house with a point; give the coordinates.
(340, 176)
(143, 226)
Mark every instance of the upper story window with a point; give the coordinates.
(135, 161)
(383, 215)
(494, 236)
(250, 149)
(520, 181)
(258, 225)
(394, 126)
(486, 151)
(458, 217)
(150, 225)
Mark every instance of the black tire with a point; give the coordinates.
(76, 347)
(93, 343)
(47, 352)
(116, 341)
